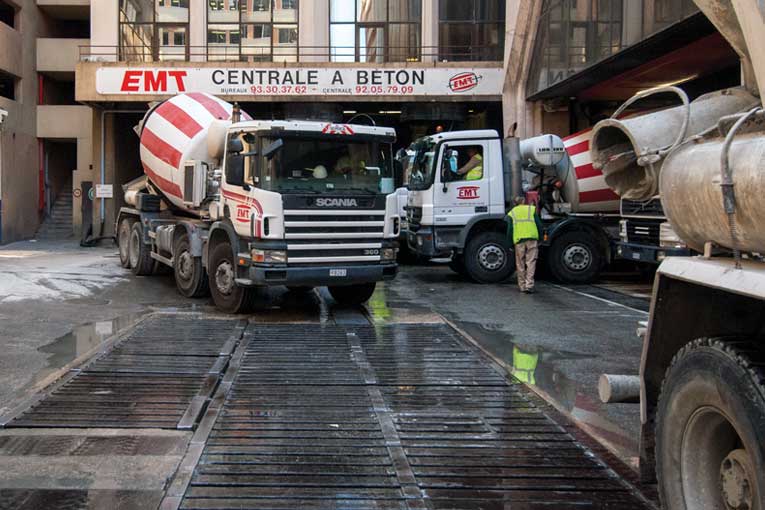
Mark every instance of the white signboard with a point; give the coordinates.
(303, 81)
(104, 191)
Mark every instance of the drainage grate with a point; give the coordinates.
(388, 417)
(160, 375)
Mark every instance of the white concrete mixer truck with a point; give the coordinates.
(231, 204)
(465, 218)
(701, 385)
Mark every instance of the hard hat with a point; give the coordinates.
(320, 172)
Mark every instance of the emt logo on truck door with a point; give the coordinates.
(468, 192)
(463, 82)
(243, 213)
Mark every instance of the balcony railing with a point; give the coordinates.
(235, 53)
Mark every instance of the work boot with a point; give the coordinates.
(530, 290)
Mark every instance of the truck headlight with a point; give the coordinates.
(269, 256)
(623, 230)
(388, 254)
(668, 238)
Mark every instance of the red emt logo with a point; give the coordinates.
(463, 82)
(243, 213)
(468, 192)
(151, 81)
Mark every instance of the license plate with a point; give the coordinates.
(636, 256)
(338, 272)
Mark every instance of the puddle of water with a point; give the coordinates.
(83, 339)
(540, 368)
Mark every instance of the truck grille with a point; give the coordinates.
(650, 209)
(643, 232)
(333, 236)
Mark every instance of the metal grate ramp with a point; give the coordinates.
(159, 375)
(388, 417)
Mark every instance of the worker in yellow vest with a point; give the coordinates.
(526, 228)
(525, 361)
(474, 167)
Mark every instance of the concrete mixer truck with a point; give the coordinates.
(231, 204)
(451, 215)
(701, 384)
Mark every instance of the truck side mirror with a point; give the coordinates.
(234, 146)
(235, 169)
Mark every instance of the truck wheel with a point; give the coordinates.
(457, 264)
(489, 258)
(574, 257)
(227, 295)
(139, 253)
(123, 240)
(352, 294)
(190, 275)
(710, 428)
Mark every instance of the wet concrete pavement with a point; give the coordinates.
(562, 338)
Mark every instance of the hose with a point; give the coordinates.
(660, 90)
(726, 174)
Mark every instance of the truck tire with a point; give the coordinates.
(190, 275)
(710, 427)
(141, 262)
(123, 240)
(457, 264)
(574, 257)
(352, 294)
(489, 258)
(227, 295)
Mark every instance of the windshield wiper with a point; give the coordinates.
(299, 190)
(363, 190)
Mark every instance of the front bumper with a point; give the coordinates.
(648, 253)
(425, 242)
(317, 276)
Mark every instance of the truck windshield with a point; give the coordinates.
(324, 164)
(418, 164)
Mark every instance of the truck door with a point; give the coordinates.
(462, 182)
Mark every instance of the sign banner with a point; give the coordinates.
(303, 81)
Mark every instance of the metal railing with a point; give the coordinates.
(279, 54)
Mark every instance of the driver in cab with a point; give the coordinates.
(473, 169)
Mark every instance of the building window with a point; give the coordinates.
(375, 30)
(154, 30)
(7, 14)
(471, 30)
(8, 85)
(575, 34)
(252, 30)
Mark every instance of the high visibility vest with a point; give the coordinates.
(524, 225)
(524, 365)
(477, 172)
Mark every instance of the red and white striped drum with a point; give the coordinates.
(177, 131)
(585, 188)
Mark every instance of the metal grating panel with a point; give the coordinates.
(388, 417)
(159, 376)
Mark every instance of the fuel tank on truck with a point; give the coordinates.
(185, 127)
(625, 148)
(691, 192)
(581, 186)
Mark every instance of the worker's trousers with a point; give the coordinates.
(526, 263)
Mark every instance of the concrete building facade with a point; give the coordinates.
(87, 70)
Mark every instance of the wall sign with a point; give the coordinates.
(104, 191)
(302, 81)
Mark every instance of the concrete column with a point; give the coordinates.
(198, 30)
(521, 28)
(313, 31)
(430, 30)
(104, 30)
(632, 22)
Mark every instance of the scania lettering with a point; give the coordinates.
(232, 204)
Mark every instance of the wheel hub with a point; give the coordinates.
(224, 277)
(491, 257)
(735, 475)
(577, 257)
(133, 249)
(185, 265)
